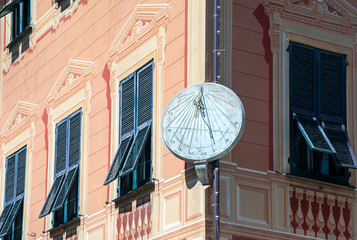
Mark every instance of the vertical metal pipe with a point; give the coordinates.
(216, 78)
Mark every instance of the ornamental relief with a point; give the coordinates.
(319, 7)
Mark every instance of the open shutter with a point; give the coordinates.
(145, 94)
(332, 85)
(10, 7)
(337, 134)
(21, 168)
(10, 178)
(47, 207)
(313, 134)
(61, 146)
(4, 214)
(65, 188)
(12, 215)
(127, 105)
(118, 159)
(75, 138)
(302, 77)
(136, 150)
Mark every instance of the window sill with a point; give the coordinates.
(20, 37)
(64, 227)
(319, 182)
(135, 194)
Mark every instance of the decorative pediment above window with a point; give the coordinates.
(337, 15)
(144, 22)
(20, 117)
(73, 77)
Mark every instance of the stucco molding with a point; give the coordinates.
(20, 118)
(73, 77)
(145, 21)
(335, 15)
(50, 20)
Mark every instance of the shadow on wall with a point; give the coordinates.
(263, 20)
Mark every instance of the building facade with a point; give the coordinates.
(84, 85)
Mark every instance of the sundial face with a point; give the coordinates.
(203, 122)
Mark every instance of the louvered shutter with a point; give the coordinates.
(46, 209)
(118, 159)
(136, 150)
(127, 105)
(332, 84)
(61, 146)
(302, 77)
(4, 214)
(75, 138)
(10, 178)
(21, 167)
(65, 188)
(145, 94)
(337, 134)
(12, 215)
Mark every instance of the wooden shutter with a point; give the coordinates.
(21, 168)
(332, 85)
(127, 105)
(12, 215)
(10, 178)
(61, 146)
(46, 209)
(302, 77)
(145, 94)
(118, 159)
(75, 138)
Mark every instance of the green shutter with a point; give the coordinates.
(75, 138)
(47, 207)
(10, 178)
(136, 150)
(65, 188)
(12, 215)
(145, 94)
(302, 77)
(4, 214)
(332, 85)
(21, 171)
(127, 105)
(61, 146)
(118, 159)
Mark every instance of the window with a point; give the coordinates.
(319, 145)
(12, 214)
(132, 161)
(63, 197)
(64, 4)
(20, 16)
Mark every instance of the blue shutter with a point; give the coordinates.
(65, 188)
(21, 168)
(12, 215)
(118, 159)
(332, 85)
(136, 150)
(302, 77)
(145, 94)
(4, 214)
(127, 105)
(47, 207)
(61, 146)
(75, 138)
(10, 178)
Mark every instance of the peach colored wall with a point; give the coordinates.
(86, 35)
(251, 69)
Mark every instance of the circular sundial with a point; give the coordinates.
(203, 122)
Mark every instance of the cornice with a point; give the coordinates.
(335, 15)
(143, 23)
